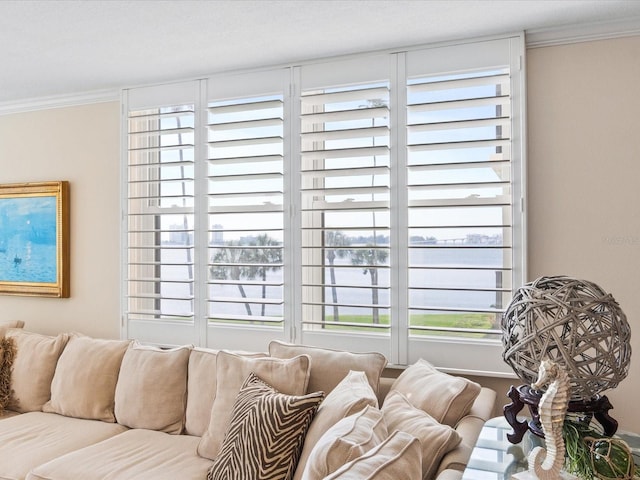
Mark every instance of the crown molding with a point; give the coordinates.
(59, 101)
(567, 34)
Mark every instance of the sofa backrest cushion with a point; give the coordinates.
(436, 439)
(397, 457)
(6, 325)
(445, 397)
(329, 367)
(350, 438)
(84, 383)
(265, 434)
(350, 396)
(151, 392)
(201, 388)
(289, 376)
(34, 364)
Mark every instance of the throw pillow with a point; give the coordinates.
(201, 388)
(265, 434)
(351, 396)
(348, 439)
(329, 367)
(151, 392)
(397, 457)
(445, 397)
(435, 439)
(33, 368)
(7, 355)
(287, 376)
(84, 383)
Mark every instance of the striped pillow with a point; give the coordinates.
(265, 435)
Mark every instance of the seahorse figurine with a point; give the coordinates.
(552, 408)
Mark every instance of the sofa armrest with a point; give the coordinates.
(449, 474)
(469, 429)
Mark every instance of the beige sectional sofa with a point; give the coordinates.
(86, 408)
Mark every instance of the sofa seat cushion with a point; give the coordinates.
(139, 454)
(34, 438)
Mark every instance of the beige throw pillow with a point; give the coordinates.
(34, 365)
(266, 433)
(289, 376)
(84, 383)
(151, 392)
(350, 396)
(201, 388)
(398, 457)
(436, 439)
(329, 367)
(348, 439)
(445, 397)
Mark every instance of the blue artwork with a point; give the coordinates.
(28, 239)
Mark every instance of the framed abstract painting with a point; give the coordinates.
(34, 239)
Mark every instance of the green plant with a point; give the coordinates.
(590, 454)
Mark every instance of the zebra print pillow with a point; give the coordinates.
(265, 434)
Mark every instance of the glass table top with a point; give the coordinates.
(495, 458)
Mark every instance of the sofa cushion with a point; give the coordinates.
(397, 457)
(139, 454)
(436, 439)
(7, 355)
(265, 434)
(152, 388)
(84, 383)
(445, 397)
(7, 324)
(290, 376)
(350, 396)
(33, 368)
(201, 388)
(329, 367)
(34, 438)
(348, 439)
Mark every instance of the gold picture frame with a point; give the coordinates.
(34, 239)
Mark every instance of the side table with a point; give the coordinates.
(494, 457)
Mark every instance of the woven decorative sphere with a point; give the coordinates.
(573, 323)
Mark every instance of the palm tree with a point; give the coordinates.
(339, 240)
(227, 264)
(370, 257)
(266, 259)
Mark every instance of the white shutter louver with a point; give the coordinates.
(160, 214)
(345, 190)
(460, 202)
(246, 190)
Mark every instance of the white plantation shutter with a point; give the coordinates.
(160, 216)
(246, 218)
(463, 199)
(345, 202)
(368, 203)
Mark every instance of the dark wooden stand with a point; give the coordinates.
(525, 395)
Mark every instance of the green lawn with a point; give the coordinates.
(455, 320)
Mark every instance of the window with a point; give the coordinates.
(368, 203)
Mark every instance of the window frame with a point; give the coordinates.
(474, 356)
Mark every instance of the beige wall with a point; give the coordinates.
(584, 178)
(81, 145)
(583, 181)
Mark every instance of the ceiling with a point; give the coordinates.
(64, 47)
